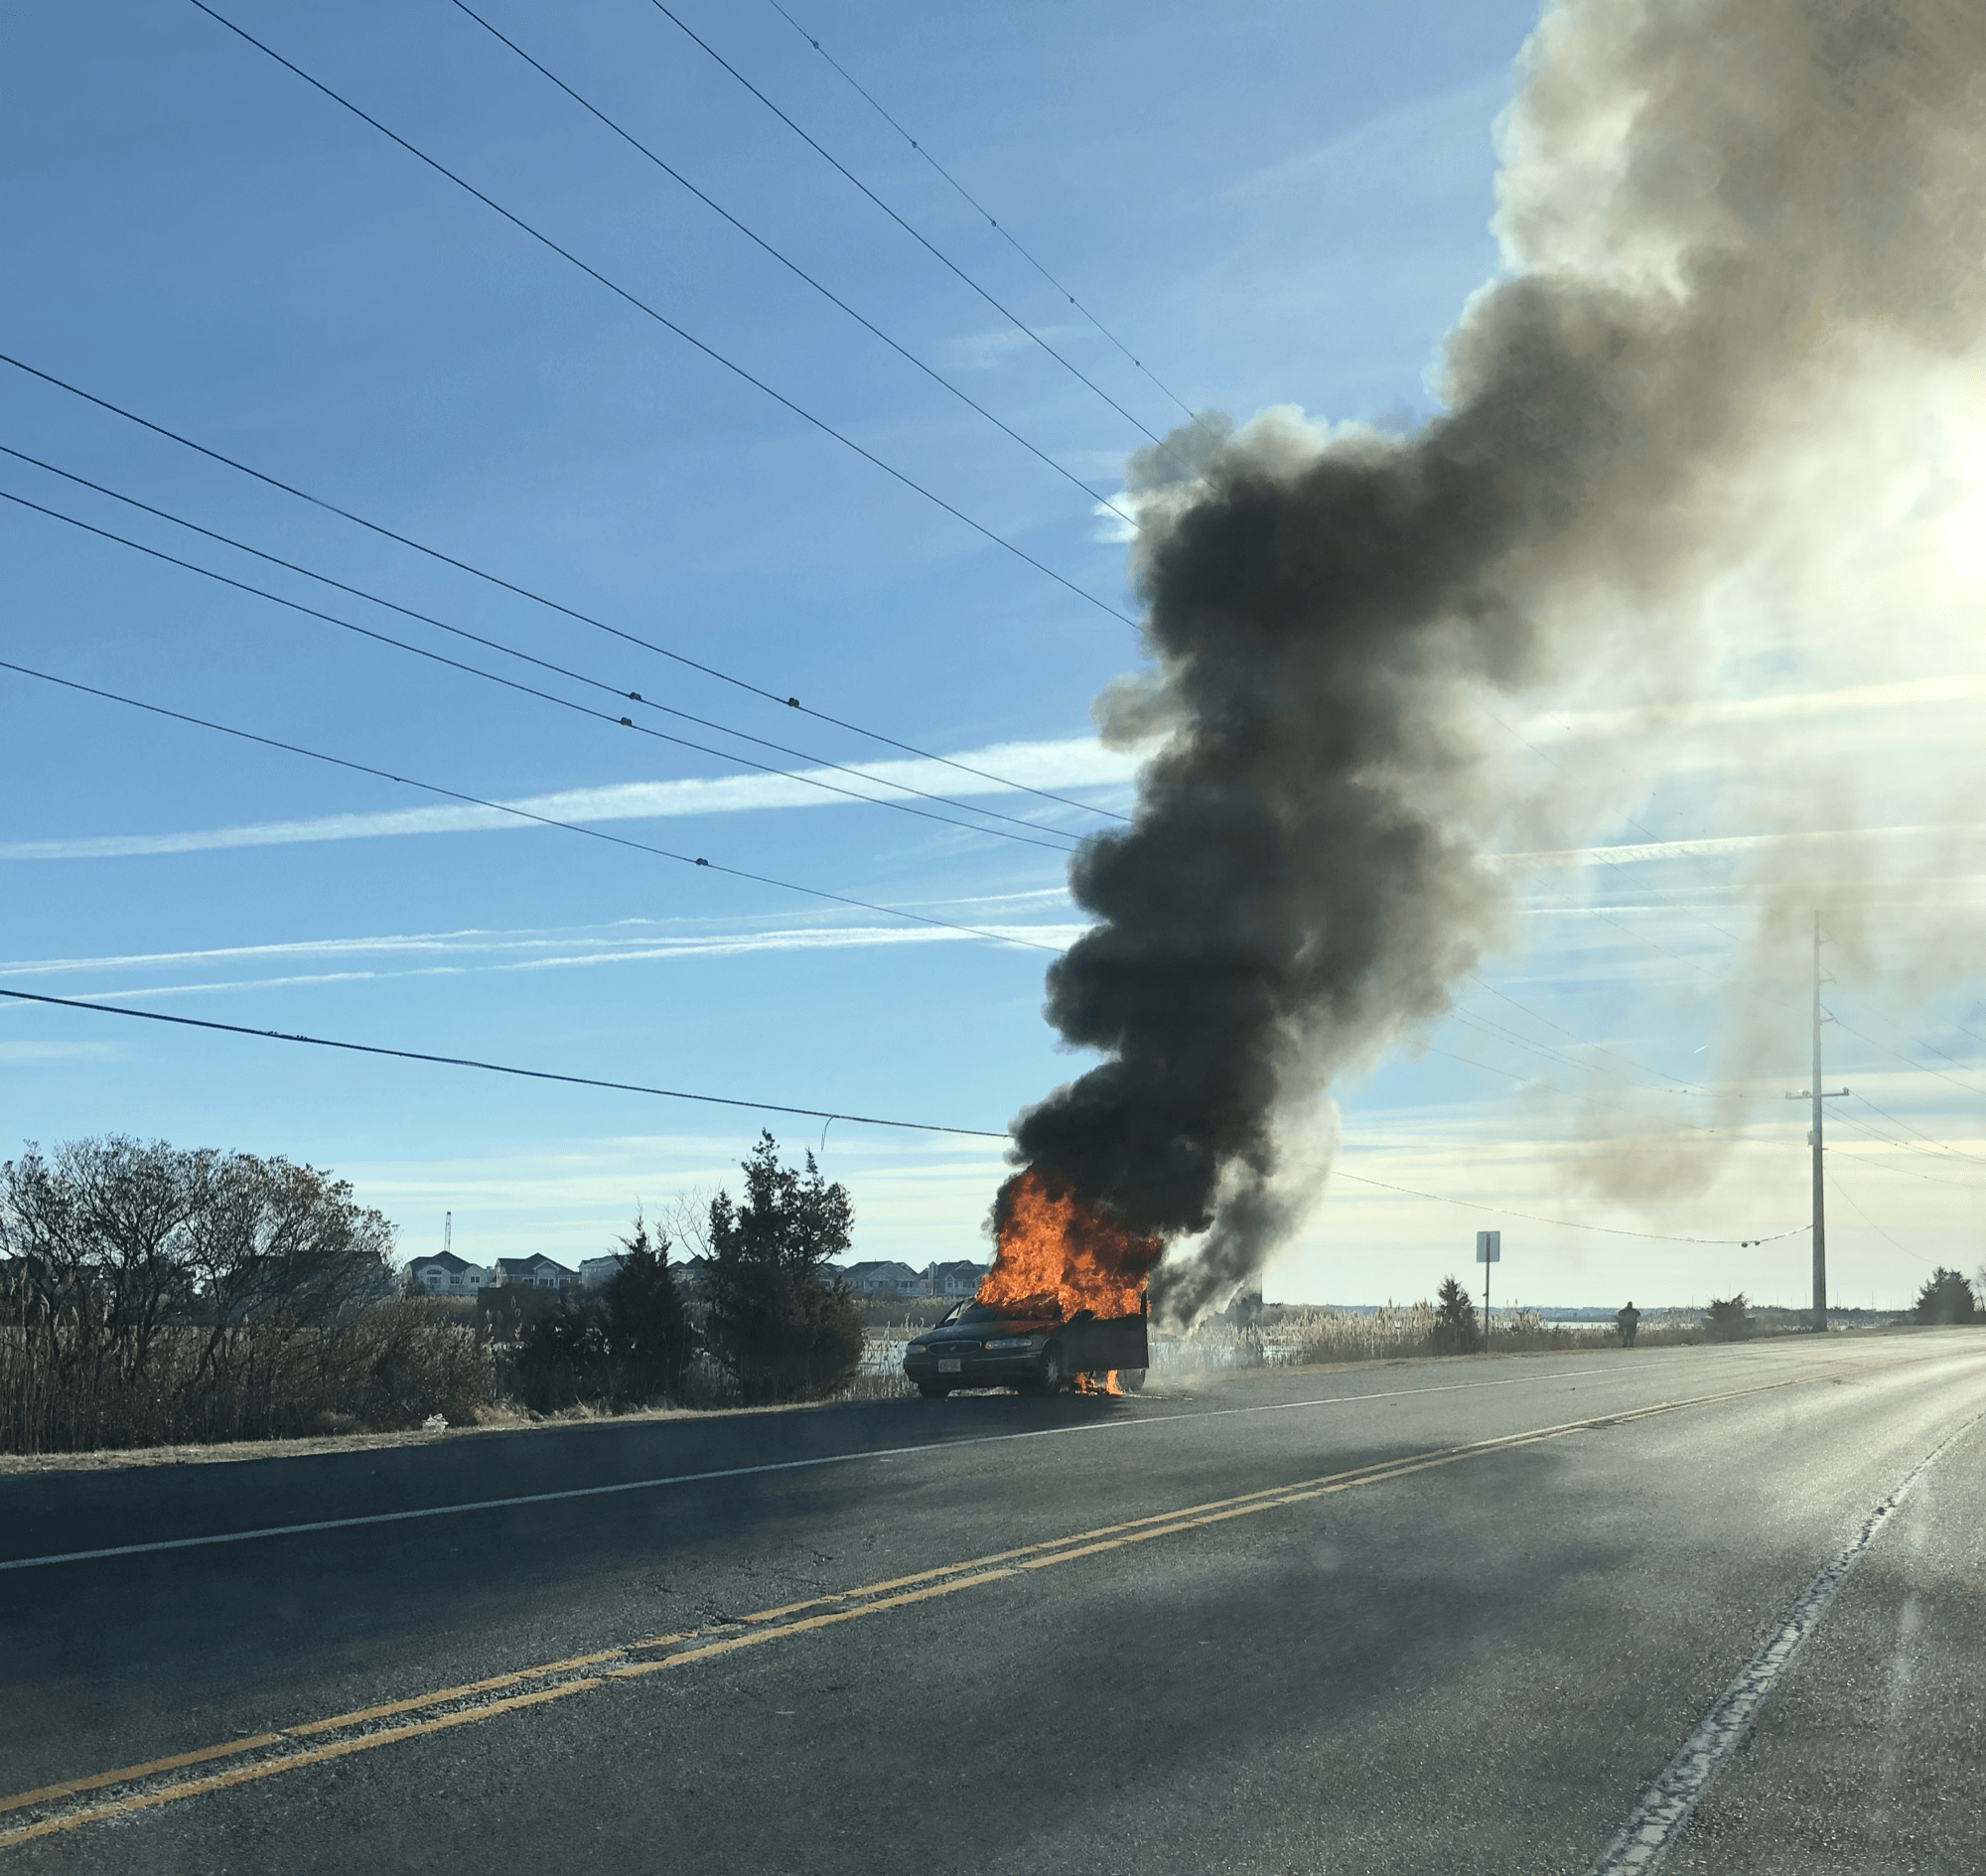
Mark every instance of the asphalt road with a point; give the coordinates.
(1415, 1617)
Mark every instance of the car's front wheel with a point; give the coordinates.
(1051, 1376)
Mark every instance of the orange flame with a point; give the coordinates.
(1059, 1251)
(1089, 1384)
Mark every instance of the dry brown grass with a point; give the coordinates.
(1315, 1338)
(381, 1367)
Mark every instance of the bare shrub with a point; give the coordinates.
(418, 1359)
(153, 1295)
(382, 1365)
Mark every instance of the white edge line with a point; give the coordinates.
(746, 1472)
(1666, 1805)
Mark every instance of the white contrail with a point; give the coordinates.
(1952, 687)
(623, 937)
(726, 944)
(1710, 846)
(1075, 762)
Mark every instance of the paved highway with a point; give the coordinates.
(1557, 1614)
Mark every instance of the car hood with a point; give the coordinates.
(983, 1332)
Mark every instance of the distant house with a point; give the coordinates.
(26, 1275)
(961, 1278)
(445, 1274)
(884, 1278)
(693, 1277)
(600, 1270)
(535, 1272)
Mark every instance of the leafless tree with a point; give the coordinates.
(158, 1292)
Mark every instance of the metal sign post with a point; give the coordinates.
(1489, 1250)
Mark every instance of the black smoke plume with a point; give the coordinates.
(1713, 209)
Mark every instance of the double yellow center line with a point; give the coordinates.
(290, 1749)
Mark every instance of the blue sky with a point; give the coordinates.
(1287, 215)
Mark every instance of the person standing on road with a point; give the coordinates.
(1627, 1321)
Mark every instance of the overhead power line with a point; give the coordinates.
(1012, 318)
(793, 267)
(1599, 853)
(777, 1107)
(1842, 1192)
(1920, 1042)
(1614, 1105)
(520, 813)
(1882, 1166)
(1598, 1048)
(496, 1067)
(1943, 1146)
(537, 599)
(510, 651)
(1922, 1068)
(662, 319)
(1501, 1032)
(510, 683)
(1888, 1139)
(1611, 1231)
(1606, 859)
(1527, 1081)
(1006, 234)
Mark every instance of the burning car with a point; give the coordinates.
(1029, 1344)
(1064, 1301)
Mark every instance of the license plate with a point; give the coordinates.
(953, 1366)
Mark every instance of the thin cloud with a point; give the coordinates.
(987, 350)
(568, 948)
(729, 944)
(1719, 844)
(1952, 687)
(1076, 763)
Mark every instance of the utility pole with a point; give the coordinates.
(1818, 1094)
(447, 1231)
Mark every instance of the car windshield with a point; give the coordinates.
(977, 1312)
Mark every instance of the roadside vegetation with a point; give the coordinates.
(782, 1321)
(1455, 1330)
(1727, 1319)
(153, 1295)
(1450, 1325)
(158, 1296)
(1946, 1298)
(630, 1347)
